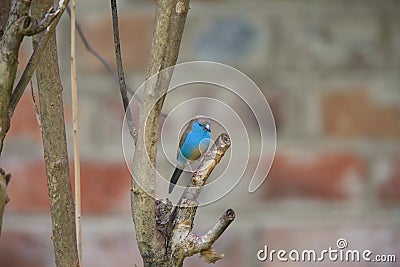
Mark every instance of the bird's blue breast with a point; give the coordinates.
(196, 143)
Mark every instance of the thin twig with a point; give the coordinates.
(104, 62)
(77, 177)
(91, 50)
(99, 57)
(120, 68)
(19, 24)
(35, 107)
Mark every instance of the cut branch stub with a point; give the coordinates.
(183, 242)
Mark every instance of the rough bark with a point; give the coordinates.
(166, 239)
(4, 10)
(150, 241)
(183, 242)
(45, 23)
(55, 149)
(13, 27)
(5, 93)
(17, 25)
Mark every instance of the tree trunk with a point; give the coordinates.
(165, 238)
(4, 10)
(55, 149)
(164, 52)
(4, 179)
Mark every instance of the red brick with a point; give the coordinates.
(389, 191)
(111, 249)
(115, 113)
(135, 34)
(25, 249)
(24, 54)
(325, 176)
(23, 122)
(27, 189)
(352, 113)
(104, 187)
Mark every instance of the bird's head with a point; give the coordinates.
(201, 124)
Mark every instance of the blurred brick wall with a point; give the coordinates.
(330, 70)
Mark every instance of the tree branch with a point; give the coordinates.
(4, 180)
(150, 243)
(91, 50)
(54, 142)
(215, 232)
(19, 24)
(179, 21)
(36, 55)
(202, 244)
(10, 43)
(4, 10)
(163, 54)
(120, 68)
(104, 62)
(210, 160)
(77, 165)
(183, 242)
(100, 58)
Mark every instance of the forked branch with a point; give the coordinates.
(26, 76)
(184, 242)
(165, 238)
(150, 242)
(19, 24)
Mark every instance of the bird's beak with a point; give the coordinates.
(207, 127)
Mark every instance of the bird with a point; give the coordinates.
(193, 143)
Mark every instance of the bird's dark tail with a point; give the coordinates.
(174, 179)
